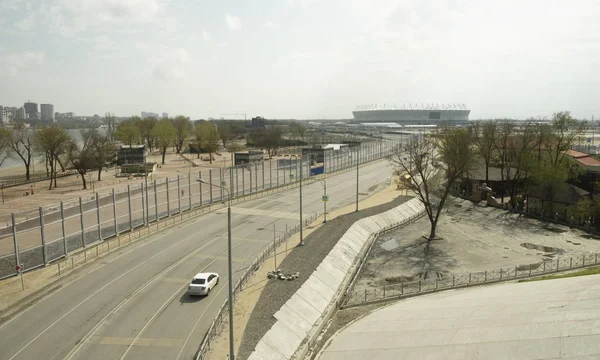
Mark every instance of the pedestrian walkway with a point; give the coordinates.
(554, 319)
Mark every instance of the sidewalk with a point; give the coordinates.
(535, 320)
(249, 296)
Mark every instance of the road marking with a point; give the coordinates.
(221, 257)
(260, 212)
(108, 340)
(176, 280)
(101, 289)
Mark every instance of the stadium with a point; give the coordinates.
(412, 114)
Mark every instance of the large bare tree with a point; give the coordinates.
(182, 126)
(53, 141)
(452, 152)
(21, 144)
(165, 135)
(5, 140)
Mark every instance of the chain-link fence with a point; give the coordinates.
(37, 237)
(356, 297)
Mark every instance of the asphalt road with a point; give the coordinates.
(133, 304)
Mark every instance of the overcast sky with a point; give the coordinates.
(301, 58)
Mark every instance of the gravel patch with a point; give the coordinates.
(305, 260)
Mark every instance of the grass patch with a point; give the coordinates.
(584, 272)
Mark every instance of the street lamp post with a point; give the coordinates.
(229, 267)
(325, 199)
(357, 166)
(301, 171)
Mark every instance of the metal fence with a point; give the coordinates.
(36, 238)
(222, 314)
(410, 288)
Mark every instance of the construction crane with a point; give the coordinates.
(235, 115)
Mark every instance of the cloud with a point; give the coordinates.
(26, 23)
(166, 63)
(206, 36)
(271, 25)
(233, 22)
(10, 4)
(12, 64)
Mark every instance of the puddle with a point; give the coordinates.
(546, 249)
(390, 245)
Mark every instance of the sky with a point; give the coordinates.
(303, 59)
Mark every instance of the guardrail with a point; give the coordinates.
(357, 297)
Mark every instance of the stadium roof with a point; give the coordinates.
(411, 106)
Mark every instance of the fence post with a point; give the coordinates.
(231, 187)
(200, 185)
(571, 264)
(221, 177)
(436, 283)
(384, 291)
(98, 217)
(262, 165)
(43, 235)
(500, 273)
(515, 271)
(210, 187)
(190, 190)
(237, 182)
(178, 193)
(365, 295)
(250, 175)
(168, 201)
(244, 181)
(114, 206)
(485, 277)
(583, 260)
(557, 264)
(469, 283)
(62, 225)
(155, 201)
(14, 231)
(596, 261)
(255, 177)
(144, 215)
(81, 221)
(270, 173)
(452, 280)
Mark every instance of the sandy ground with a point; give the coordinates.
(247, 298)
(26, 199)
(474, 238)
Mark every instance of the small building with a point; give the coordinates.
(559, 205)
(134, 154)
(241, 158)
(473, 184)
(317, 153)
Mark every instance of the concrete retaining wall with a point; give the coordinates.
(302, 317)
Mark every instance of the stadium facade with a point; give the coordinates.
(413, 114)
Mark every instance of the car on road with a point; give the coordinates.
(202, 283)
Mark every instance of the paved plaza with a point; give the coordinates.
(554, 319)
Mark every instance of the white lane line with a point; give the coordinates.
(127, 251)
(96, 293)
(96, 327)
(198, 321)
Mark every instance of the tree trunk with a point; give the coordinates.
(54, 167)
(198, 154)
(99, 173)
(432, 230)
(487, 172)
(210, 156)
(164, 152)
(47, 169)
(62, 167)
(51, 172)
(27, 173)
(83, 179)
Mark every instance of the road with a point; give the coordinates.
(133, 304)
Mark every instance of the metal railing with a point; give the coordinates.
(52, 232)
(356, 297)
(267, 253)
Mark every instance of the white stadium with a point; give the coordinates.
(412, 114)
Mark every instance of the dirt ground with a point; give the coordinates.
(474, 237)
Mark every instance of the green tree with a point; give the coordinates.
(128, 132)
(103, 151)
(272, 140)
(53, 141)
(111, 125)
(165, 135)
(225, 134)
(182, 127)
(146, 127)
(211, 138)
(200, 136)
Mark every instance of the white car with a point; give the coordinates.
(203, 283)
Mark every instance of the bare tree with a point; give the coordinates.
(103, 151)
(21, 144)
(146, 127)
(53, 141)
(486, 143)
(225, 134)
(4, 144)
(111, 125)
(272, 140)
(182, 126)
(506, 132)
(452, 153)
(81, 156)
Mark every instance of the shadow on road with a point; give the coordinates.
(187, 298)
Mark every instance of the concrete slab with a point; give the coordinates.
(329, 268)
(505, 321)
(315, 300)
(293, 321)
(333, 283)
(321, 288)
(303, 309)
(265, 352)
(282, 339)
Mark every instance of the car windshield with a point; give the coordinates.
(198, 281)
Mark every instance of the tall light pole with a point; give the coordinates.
(146, 181)
(357, 163)
(229, 267)
(325, 199)
(301, 171)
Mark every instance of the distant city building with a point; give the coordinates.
(47, 111)
(165, 115)
(31, 111)
(4, 115)
(258, 121)
(413, 114)
(149, 114)
(21, 114)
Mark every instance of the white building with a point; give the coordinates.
(149, 114)
(165, 115)
(47, 111)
